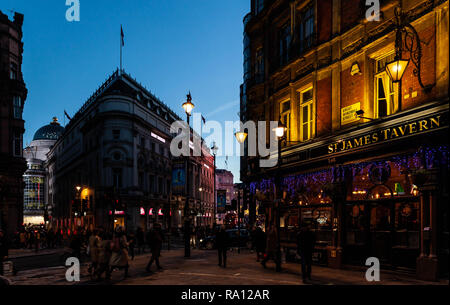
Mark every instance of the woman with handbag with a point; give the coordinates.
(119, 257)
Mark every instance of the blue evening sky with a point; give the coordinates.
(171, 46)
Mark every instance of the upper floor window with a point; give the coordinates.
(259, 5)
(285, 113)
(386, 92)
(284, 39)
(17, 144)
(13, 71)
(306, 28)
(117, 177)
(307, 119)
(259, 64)
(17, 102)
(116, 134)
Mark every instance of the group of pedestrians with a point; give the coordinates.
(305, 240)
(109, 252)
(266, 247)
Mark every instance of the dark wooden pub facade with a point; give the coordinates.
(366, 160)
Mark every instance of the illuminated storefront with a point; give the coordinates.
(380, 200)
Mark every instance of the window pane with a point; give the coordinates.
(381, 92)
(305, 132)
(305, 114)
(306, 96)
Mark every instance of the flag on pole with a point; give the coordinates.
(122, 36)
(65, 113)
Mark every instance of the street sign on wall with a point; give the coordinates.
(348, 114)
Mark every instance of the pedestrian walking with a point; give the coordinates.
(222, 244)
(94, 246)
(155, 241)
(3, 250)
(75, 245)
(104, 256)
(131, 244)
(271, 246)
(140, 242)
(260, 243)
(119, 257)
(305, 248)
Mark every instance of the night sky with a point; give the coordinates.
(171, 46)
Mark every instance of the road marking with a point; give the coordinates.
(232, 276)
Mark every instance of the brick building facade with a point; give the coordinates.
(357, 142)
(13, 94)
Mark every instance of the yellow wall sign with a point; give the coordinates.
(348, 114)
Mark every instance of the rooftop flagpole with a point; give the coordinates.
(122, 43)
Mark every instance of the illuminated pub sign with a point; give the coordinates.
(377, 136)
(388, 133)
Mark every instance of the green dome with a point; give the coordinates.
(51, 131)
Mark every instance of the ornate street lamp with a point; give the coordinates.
(188, 106)
(240, 136)
(214, 149)
(411, 43)
(280, 130)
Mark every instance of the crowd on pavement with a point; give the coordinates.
(113, 250)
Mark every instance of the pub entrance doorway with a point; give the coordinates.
(385, 228)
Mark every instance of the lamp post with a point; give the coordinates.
(239, 218)
(280, 133)
(240, 137)
(412, 44)
(214, 149)
(188, 106)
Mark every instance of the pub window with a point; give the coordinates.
(307, 119)
(284, 36)
(306, 28)
(17, 102)
(285, 113)
(13, 71)
(386, 92)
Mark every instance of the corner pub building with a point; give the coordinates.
(364, 160)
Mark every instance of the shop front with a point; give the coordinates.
(376, 192)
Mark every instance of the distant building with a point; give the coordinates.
(36, 181)
(224, 185)
(112, 165)
(13, 94)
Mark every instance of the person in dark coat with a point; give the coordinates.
(260, 243)
(222, 246)
(140, 240)
(155, 241)
(271, 246)
(305, 248)
(3, 250)
(75, 245)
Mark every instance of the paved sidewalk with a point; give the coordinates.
(202, 269)
(17, 253)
